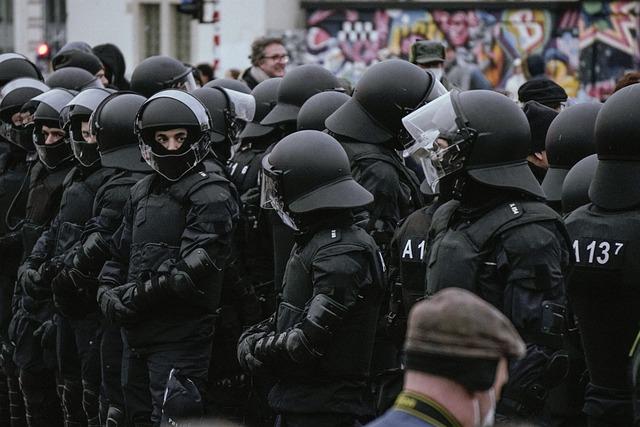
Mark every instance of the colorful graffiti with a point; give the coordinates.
(585, 48)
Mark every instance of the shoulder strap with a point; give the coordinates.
(507, 216)
(189, 184)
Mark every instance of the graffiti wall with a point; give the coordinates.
(585, 48)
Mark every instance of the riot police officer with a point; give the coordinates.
(15, 163)
(163, 282)
(73, 78)
(75, 286)
(296, 87)
(78, 337)
(603, 289)
(369, 128)
(319, 342)
(13, 66)
(497, 238)
(316, 109)
(36, 362)
(569, 140)
(239, 307)
(575, 188)
(255, 246)
(161, 72)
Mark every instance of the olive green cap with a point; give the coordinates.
(425, 51)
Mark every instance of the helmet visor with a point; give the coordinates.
(86, 153)
(244, 105)
(438, 145)
(175, 166)
(270, 197)
(54, 154)
(22, 136)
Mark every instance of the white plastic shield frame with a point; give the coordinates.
(432, 127)
(21, 83)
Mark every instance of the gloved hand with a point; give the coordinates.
(31, 283)
(111, 305)
(6, 356)
(70, 292)
(246, 347)
(46, 333)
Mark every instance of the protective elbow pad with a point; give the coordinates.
(197, 264)
(92, 254)
(310, 340)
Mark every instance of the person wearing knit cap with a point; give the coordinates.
(540, 118)
(545, 91)
(457, 348)
(80, 59)
(114, 65)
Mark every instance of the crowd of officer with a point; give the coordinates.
(286, 250)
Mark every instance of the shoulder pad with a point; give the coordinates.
(442, 215)
(190, 184)
(509, 215)
(141, 189)
(69, 177)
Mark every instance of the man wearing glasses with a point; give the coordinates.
(269, 58)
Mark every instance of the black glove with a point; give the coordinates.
(247, 344)
(74, 293)
(31, 282)
(111, 305)
(246, 347)
(46, 333)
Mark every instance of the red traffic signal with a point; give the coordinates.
(43, 50)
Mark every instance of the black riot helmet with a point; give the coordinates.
(575, 188)
(233, 84)
(226, 108)
(73, 78)
(387, 92)
(266, 96)
(77, 111)
(14, 65)
(317, 108)
(309, 171)
(167, 110)
(157, 73)
(13, 96)
(481, 132)
(615, 185)
(296, 87)
(47, 113)
(569, 139)
(112, 124)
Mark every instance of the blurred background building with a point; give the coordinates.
(585, 45)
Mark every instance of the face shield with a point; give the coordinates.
(441, 138)
(242, 109)
(173, 165)
(86, 152)
(437, 90)
(185, 82)
(270, 197)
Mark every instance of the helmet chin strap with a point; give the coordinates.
(459, 182)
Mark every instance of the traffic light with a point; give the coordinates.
(206, 11)
(190, 7)
(43, 51)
